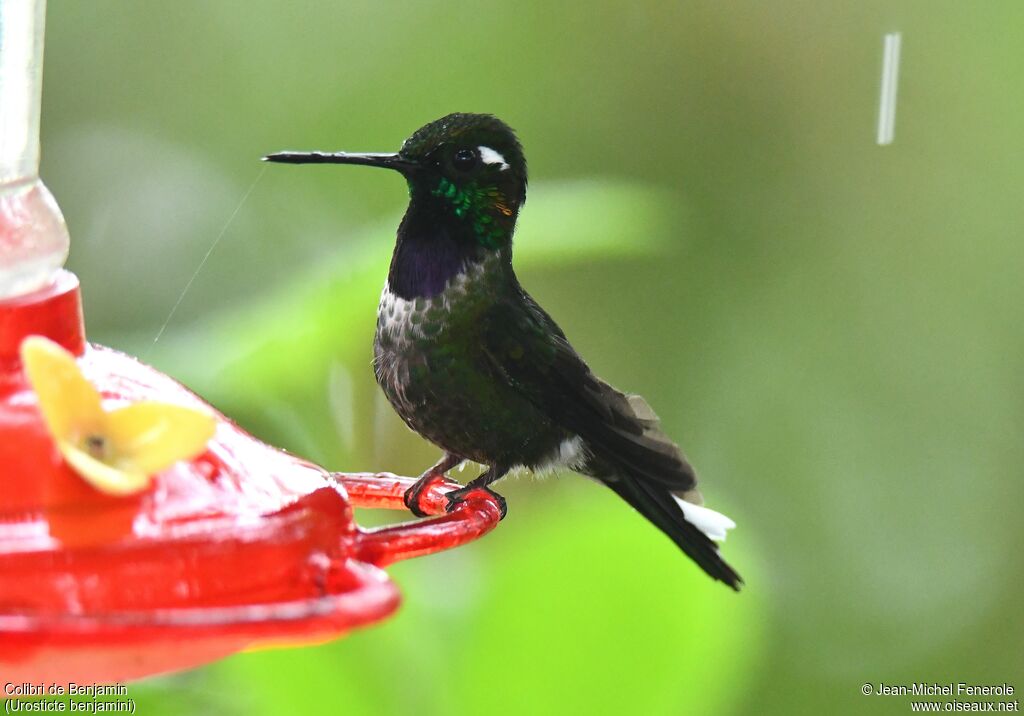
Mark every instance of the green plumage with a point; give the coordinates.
(472, 363)
(436, 360)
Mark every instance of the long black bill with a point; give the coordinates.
(370, 159)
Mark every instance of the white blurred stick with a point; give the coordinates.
(890, 81)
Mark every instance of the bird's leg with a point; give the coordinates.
(412, 495)
(491, 474)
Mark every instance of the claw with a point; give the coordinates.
(457, 496)
(414, 494)
(411, 498)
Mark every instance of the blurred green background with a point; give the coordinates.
(830, 328)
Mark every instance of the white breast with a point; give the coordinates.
(404, 319)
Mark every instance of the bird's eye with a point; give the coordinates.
(465, 159)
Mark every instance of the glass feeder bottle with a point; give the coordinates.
(34, 239)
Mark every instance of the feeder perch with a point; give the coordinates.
(241, 544)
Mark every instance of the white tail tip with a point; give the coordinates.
(713, 524)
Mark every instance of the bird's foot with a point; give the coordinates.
(413, 497)
(414, 494)
(456, 496)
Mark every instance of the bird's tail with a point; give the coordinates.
(645, 468)
(666, 512)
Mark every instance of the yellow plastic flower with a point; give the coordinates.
(116, 451)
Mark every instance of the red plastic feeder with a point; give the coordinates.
(242, 545)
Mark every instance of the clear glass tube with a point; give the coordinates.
(33, 237)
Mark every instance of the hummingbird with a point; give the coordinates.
(473, 364)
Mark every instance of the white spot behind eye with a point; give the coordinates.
(489, 156)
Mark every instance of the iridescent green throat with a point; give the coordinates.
(483, 207)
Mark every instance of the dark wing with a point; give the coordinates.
(531, 353)
(628, 451)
